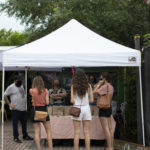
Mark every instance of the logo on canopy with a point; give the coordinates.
(132, 59)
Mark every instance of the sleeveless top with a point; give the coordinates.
(83, 102)
(39, 99)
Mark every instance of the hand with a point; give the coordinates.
(58, 98)
(101, 82)
(54, 96)
(32, 101)
(12, 106)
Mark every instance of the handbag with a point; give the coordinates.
(103, 101)
(40, 115)
(74, 111)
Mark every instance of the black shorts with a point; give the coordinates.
(105, 112)
(39, 108)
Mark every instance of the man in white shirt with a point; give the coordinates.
(17, 105)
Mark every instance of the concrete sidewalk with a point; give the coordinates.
(9, 144)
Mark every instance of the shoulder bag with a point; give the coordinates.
(75, 111)
(103, 101)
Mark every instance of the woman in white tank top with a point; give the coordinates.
(81, 95)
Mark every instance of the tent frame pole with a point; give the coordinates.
(26, 83)
(2, 130)
(141, 97)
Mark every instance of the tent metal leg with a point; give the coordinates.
(141, 97)
(2, 131)
(26, 82)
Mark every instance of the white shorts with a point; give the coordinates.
(85, 114)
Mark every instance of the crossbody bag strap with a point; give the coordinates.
(107, 89)
(108, 94)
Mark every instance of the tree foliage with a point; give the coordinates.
(131, 107)
(147, 39)
(11, 38)
(118, 20)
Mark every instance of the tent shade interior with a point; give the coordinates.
(71, 45)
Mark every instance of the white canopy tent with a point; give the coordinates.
(2, 49)
(72, 45)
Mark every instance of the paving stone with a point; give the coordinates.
(9, 144)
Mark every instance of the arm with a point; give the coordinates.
(8, 102)
(51, 95)
(91, 100)
(55, 96)
(31, 93)
(62, 95)
(97, 87)
(47, 99)
(72, 95)
(7, 93)
(6, 99)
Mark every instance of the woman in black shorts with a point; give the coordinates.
(40, 100)
(103, 87)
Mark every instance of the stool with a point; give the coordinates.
(5, 113)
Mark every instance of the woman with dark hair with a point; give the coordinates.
(104, 86)
(80, 89)
(40, 100)
(92, 80)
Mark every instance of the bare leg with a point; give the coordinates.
(86, 133)
(76, 134)
(49, 136)
(111, 131)
(105, 126)
(37, 135)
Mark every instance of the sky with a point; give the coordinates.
(10, 22)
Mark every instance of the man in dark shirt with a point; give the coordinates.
(57, 94)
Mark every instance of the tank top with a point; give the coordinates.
(39, 99)
(81, 101)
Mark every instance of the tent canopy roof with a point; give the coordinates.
(4, 48)
(71, 45)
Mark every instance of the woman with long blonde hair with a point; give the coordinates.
(40, 100)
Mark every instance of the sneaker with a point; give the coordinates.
(17, 140)
(27, 138)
